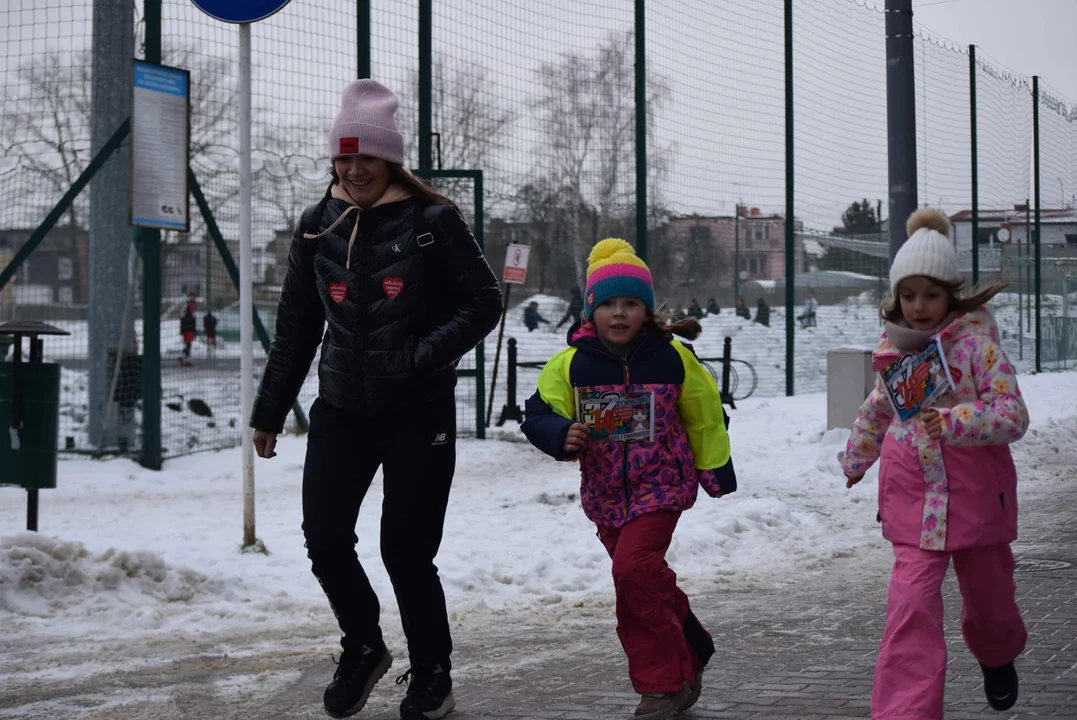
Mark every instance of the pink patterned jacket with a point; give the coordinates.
(959, 491)
(623, 480)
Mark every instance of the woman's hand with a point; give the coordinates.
(851, 480)
(575, 440)
(265, 443)
(933, 424)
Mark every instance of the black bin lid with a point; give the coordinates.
(30, 327)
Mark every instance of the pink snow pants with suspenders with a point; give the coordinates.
(910, 676)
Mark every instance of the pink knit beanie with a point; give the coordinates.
(366, 124)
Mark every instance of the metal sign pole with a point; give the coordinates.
(243, 13)
(246, 289)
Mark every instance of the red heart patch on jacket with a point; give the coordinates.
(955, 373)
(338, 291)
(392, 286)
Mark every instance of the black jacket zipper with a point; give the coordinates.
(360, 272)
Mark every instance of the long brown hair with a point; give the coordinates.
(661, 323)
(402, 177)
(890, 310)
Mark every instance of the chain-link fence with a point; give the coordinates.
(540, 98)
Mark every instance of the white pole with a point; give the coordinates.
(246, 290)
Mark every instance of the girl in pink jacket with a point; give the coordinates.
(947, 483)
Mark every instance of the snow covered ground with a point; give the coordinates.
(127, 557)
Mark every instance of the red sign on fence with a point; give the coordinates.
(516, 263)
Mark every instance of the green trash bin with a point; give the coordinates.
(29, 414)
(33, 464)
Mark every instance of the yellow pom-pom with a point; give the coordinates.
(607, 248)
(930, 218)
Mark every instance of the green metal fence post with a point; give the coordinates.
(480, 349)
(1036, 193)
(1028, 255)
(736, 254)
(975, 169)
(790, 221)
(641, 130)
(426, 70)
(150, 242)
(362, 36)
(151, 13)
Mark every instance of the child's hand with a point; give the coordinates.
(933, 424)
(850, 480)
(575, 440)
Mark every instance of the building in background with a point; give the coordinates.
(705, 249)
(55, 275)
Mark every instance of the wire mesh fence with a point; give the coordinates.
(540, 98)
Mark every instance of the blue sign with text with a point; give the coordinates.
(239, 11)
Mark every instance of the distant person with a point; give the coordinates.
(209, 326)
(762, 313)
(811, 307)
(634, 492)
(188, 329)
(947, 483)
(742, 310)
(384, 275)
(694, 310)
(712, 307)
(532, 318)
(575, 307)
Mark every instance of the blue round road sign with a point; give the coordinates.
(239, 11)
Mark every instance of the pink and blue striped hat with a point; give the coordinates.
(614, 270)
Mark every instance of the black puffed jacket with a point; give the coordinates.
(398, 320)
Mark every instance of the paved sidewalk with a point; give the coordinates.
(803, 651)
(810, 652)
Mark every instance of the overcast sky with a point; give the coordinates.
(1031, 37)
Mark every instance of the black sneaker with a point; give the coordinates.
(1000, 686)
(429, 692)
(357, 673)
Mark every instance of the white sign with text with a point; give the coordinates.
(160, 130)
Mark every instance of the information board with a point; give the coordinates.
(160, 153)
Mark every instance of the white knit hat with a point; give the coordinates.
(928, 251)
(366, 123)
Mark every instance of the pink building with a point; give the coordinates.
(762, 246)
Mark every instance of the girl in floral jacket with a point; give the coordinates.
(624, 371)
(947, 483)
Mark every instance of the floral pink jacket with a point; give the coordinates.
(959, 491)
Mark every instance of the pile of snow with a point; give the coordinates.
(43, 576)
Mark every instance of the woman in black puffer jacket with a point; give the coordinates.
(391, 273)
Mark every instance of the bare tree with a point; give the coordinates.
(543, 203)
(45, 128)
(589, 132)
(469, 117)
(287, 179)
(46, 124)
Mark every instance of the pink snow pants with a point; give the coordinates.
(650, 606)
(911, 673)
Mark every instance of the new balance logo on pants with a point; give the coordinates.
(440, 439)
